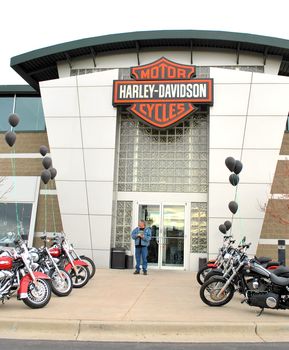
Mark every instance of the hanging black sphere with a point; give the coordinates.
(10, 138)
(53, 173)
(228, 225)
(238, 167)
(222, 228)
(43, 150)
(13, 120)
(47, 162)
(233, 206)
(45, 176)
(234, 179)
(230, 163)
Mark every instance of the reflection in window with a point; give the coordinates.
(6, 108)
(28, 108)
(10, 214)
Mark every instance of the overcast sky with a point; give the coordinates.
(27, 25)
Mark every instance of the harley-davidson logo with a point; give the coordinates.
(162, 92)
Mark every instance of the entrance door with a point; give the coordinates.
(167, 222)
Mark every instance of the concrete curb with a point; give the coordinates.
(82, 330)
(39, 329)
(168, 332)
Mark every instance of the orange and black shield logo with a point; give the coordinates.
(163, 92)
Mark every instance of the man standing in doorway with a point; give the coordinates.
(142, 236)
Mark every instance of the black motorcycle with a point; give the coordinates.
(265, 290)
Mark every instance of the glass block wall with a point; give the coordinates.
(198, 227)
(173, 160)
(122, 226)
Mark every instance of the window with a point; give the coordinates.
(29, 110)
(14, 218)
(122, 225)
(173, 160)
(198, 227)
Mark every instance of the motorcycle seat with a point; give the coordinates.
(280, 281)
(263, 259)
(281, 270)
(272, 263)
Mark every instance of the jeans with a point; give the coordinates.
(141, 252)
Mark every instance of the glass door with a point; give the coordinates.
(167, 223)
(151, 214)
(173, 231)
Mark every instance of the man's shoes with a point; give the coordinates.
(145, 273)
(136, 272)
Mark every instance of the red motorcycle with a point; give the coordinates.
(78, 269)
(16, 274)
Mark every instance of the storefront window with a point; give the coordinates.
(173, 160)
(11, 216)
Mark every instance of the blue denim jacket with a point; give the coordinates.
(147, 236)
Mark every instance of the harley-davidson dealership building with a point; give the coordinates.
(138, 126)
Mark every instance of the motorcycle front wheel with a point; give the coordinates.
(210, 292)
(79, 278)
(38, 294)
(61, 285)
(90, 263)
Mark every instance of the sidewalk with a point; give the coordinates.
(163, 306)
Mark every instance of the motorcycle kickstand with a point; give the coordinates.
(260, 313)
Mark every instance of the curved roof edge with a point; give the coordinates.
(32, 64)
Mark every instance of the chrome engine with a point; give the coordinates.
(5, 274)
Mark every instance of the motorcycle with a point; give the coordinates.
(61, 283)
(218, 266)
(266, 290)
(78, 269)
(16, 274)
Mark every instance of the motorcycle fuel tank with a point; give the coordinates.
(6, 263)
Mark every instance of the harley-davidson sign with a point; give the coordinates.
(162, 92)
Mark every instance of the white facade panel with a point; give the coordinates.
(220, 194)
(269, 99)
(64, 132)
(76, 227)
(230, 99)
(181, 56)
(228, 131)
(99, 164)
(265, 132)
(255, 161)
(225, 76)
(214, 58)
(98, 132)
(272, 65)
(100, 197)
(59, 101)
(96, 101)
(69, 164)
(101, 231)
(72, 197)
(101, 258)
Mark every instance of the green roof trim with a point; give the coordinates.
(17, 90)
(38, 65)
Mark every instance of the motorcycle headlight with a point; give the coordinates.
(227, 256)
